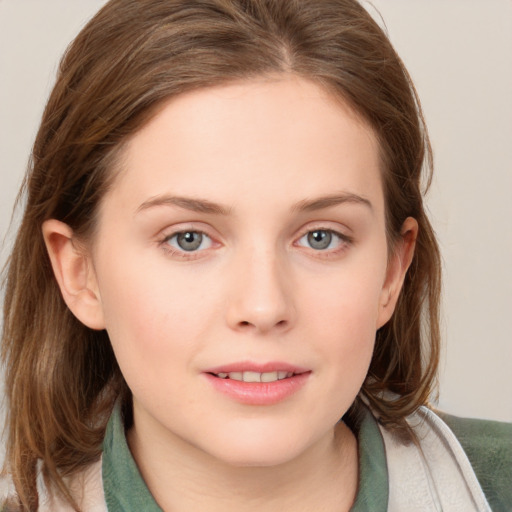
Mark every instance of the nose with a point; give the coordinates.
(260, 298)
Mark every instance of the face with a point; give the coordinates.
(244, 240)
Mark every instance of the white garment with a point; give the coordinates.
(434, 476)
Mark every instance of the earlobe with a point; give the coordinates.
(74, 274)
(397, 269)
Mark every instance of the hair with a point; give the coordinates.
(62, 378)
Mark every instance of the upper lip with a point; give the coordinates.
(250, 366)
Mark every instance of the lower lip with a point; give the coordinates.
(259, 393)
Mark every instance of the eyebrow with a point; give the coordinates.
(187, 203)
(320, 203)
(204, 206)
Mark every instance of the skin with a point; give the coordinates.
(255, 290)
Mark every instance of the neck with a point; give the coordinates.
(181, 477)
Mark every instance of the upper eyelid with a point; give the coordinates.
(167, 236)
(185, 227)
(344, 238)
(323, 227)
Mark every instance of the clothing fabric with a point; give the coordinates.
(436, 474)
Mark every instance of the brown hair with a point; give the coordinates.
(61, 377)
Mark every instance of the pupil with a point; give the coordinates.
(190, 241)
(319, 239)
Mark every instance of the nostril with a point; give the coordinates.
(281, 323)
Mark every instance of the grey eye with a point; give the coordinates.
(319, 239)
(189, 241)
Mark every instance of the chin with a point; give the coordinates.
(261, 449)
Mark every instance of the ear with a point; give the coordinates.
(398, 265)
(74, 273)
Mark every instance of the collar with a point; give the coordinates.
(123, 486)
(126, 491)
(372, 495)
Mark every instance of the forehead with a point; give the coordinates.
(272, 139)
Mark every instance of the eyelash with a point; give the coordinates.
(182, 254)
(344, 242)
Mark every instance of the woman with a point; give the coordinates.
(224, 251)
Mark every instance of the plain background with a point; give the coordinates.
(459, 53)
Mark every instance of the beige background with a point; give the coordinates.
(459, 53)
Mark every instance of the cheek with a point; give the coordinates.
(347, 324)
(342, 324)
(151, 314)
(342, 314)
(347, 301)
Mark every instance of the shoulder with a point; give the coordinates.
(488, 446)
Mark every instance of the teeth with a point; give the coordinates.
(269, 377)
(251, 377)
(256, 376)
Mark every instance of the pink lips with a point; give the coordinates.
(258, 393)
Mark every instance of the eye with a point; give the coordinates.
(189, 241)
(322, 239)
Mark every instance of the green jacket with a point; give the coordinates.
(488, 445)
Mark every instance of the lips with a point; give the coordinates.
(258, 384)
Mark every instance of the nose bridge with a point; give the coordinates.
(260, 299)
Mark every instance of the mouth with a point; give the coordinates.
(256, 384)
(251, 376)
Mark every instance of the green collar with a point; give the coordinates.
(125, 490)
(372, 495)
